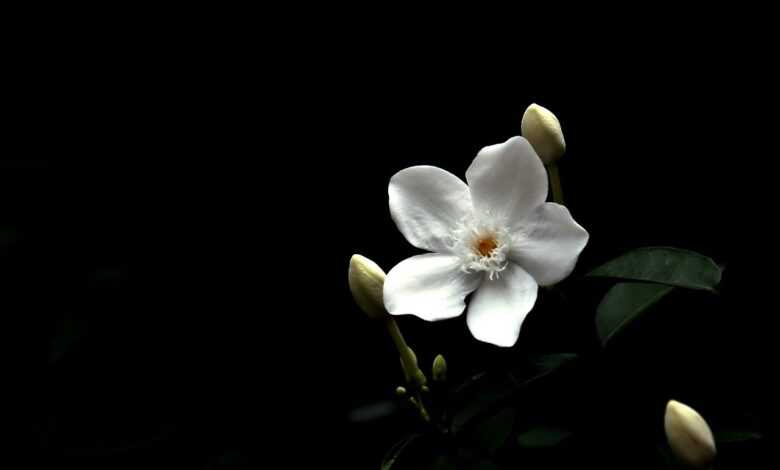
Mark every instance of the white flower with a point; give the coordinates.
(496, 237)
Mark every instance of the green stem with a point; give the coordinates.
(395, 334)
(421, 407)
(555, 183)
(412, 371)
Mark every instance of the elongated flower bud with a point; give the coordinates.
(366, 280)
(689, 435)
(412, 372)
(543, 130)
(439, 369)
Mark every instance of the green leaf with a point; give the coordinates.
(467, 386)
(483, 395)
(426, 451)
(443, 462)
(489, 392)
(538, 368)
(547, 363)
(543, 436)
(664, 265)
(472, 459)
(624, 303)
(394, 454)
(492, 433)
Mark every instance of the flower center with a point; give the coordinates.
(482, 245)
(485, 245)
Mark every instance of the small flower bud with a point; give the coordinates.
(689, 435)
(400, 392)
(439, 369)
(366, 280)
(412, 372)
(543, 131)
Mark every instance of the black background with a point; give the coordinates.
(177, 226)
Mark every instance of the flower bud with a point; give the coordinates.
(400, 392)
(366, 280)
(543, 131)
(439, 369)
(412, 373)
(689, 435)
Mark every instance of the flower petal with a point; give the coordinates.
(427, 204)
(498, 308)
(507, 180)
(431, 286)
(548, 244)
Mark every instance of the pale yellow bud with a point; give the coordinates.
(366, 281)
(689, 436)
(439, 369)
(543, 130)
(400, 392)
(412, 373)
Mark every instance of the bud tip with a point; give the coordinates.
(366, 281)
(439, 369)
(689, 435)
(543, 131)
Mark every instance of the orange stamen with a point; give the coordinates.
(485, 246)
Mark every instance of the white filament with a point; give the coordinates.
(465, 241)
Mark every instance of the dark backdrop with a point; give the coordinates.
(176, 232)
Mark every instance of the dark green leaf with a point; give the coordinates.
(424, 451)
(492, 433)
(444, 462)
(623, 304)
(488, 393)
(469, 458)
(542, 365)
(394, 454)
(664, 265)
(543, 436)
(538, 368)
(486, 465)
(485, 394)
(468, 385)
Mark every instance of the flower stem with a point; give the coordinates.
(412, 372)
(555, 182)
(395, 334)
(421, 408)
